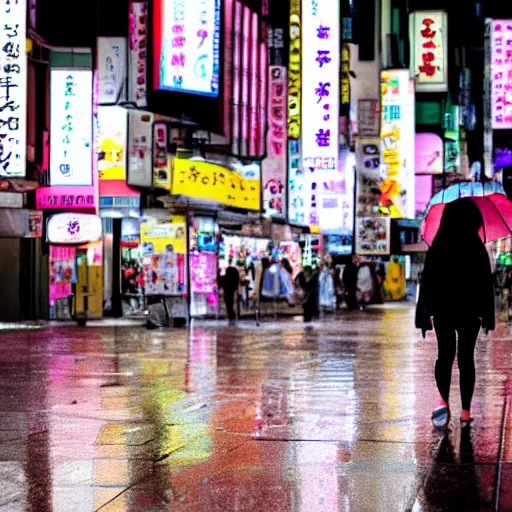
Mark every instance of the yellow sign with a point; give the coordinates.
(294, 71)
(214, 182)
(165, 236)
(111, 140)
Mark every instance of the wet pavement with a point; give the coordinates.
(280, 417)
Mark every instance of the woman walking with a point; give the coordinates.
(457, 296)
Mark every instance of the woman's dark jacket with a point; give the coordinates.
(457, 283)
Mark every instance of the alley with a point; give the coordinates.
(280, 417)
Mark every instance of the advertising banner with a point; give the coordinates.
(73, 228)
(429, 62)
(373, 236)
(161, 161)
(294, 72)
(70, 127)
(429, 153)
(138, 53)
(501, 68)
(397, 144)
(111, 150)
(320, 113)
(186, 38)
(273, 168)
(368, 176)
(111, 70)
(60, 198)
(140, 165)
(213, 182)
(13, 89)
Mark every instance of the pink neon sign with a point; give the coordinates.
(253, 139)
(236, 77)
(245, 81)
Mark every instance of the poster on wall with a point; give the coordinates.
(397, 144)
(186, 38)
(164, 256)
(429, 62)
(429, 153)
(111, 150)
(373, 235)
(13, 89)
(73, 228)
(368, 118)
(322, 184)
(273, 167)
(111, 70)
(368, 176)
(70, 127)
(138, 53)
(501, 68)
(140, 165)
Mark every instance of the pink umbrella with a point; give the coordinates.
(496, 211)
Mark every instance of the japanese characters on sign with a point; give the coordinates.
(430, 54)
(13, 88)
(140, 165)
(294, 74)
(320, 110)
(501, 69)
(71, 127)
(137, 56)
(111, 70)
(213, 182)
(397, 144)
(59, 198)
(73, 228)
(187, 45)
(274, 165)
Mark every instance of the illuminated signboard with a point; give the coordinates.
(274, 165)
(71, 127)
(429, 62)
(237, 65)
(13, 89)
(320, 111)
(501, 68)
(137, 56)
(73, 228)
(429, 153)
(140, 162)
(111, 149)
(244, 149)
(253, 104)
(294, 72)
(397, 144)
(228, 66)
(187, 45)
(111, 70)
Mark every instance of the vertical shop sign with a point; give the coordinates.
(397, 143)
(140, 168)
(368, 118)
(237, 66)
(274, 166)
(137, 56)
(13, 89)
(320, 112)
(501, 69)
(253, 102)
(294, 72)
(244, 107)
(111, 70)
(111, 149)
(368, 176)
(429, 61)
(161, 171)
(262, 98)
(228, 67)
(345, 97)
(71, 127)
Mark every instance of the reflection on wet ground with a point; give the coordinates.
(280, 417)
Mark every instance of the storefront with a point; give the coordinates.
(75, 266)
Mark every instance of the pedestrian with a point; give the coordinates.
(308, 281)
(230, 284)
(350, 282)
(456, 297)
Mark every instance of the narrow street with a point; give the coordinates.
(280, 417)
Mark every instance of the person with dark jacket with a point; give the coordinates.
(349, 279)
(230, 284)
(308, 282)
(457, 295)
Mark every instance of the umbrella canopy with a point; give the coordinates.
(496, 212)
(460, 190)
